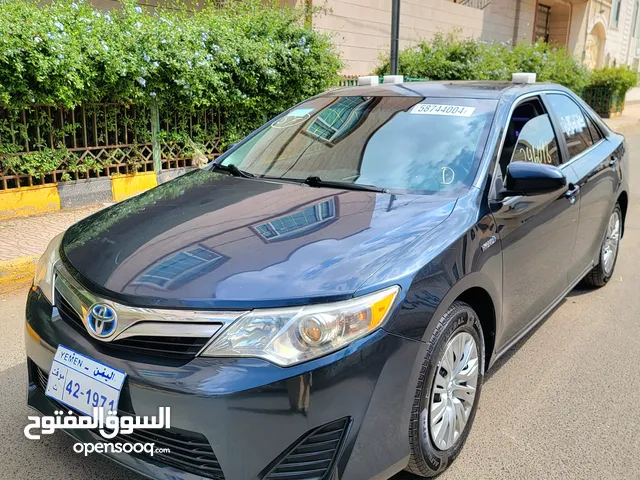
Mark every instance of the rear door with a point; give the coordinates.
(595, 161)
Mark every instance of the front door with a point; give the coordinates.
(537, 232)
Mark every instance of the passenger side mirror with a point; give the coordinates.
(528, 178)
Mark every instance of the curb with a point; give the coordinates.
(17, 272)
(26, 201)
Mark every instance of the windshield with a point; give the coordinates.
(396, 143)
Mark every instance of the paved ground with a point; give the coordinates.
(565, 403)
(26, 236)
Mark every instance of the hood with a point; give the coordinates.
(209, 240)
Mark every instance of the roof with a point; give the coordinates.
(467, 89)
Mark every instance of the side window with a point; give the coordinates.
(522, 114)
(537, 142)
(573, 123)
(596, 136)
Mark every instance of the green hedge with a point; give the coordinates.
(617, 79)
(449, 57)
(250, 59)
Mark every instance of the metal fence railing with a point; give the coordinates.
(99, 140)
(604, 100)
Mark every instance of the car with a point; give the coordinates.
(324, 300)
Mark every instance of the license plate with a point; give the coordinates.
(83, 383)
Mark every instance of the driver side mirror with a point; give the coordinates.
(528, 178)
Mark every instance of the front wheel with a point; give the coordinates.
(448, 391)
(601, 273)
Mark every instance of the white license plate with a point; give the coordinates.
(83, 383)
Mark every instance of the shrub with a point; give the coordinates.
(551, 64)
(250, 58)
(617, 79)
(449, 57)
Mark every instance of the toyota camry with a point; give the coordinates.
(323, 300)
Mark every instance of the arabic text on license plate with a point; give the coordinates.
(83, 383)
(435, 109)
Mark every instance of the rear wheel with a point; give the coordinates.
(601, 273)
(448, 391)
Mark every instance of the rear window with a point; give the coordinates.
(397, 143)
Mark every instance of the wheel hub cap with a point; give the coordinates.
(610, 245)
(453, 392)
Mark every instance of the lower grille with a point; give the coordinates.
(40, 378)
(173, 347)
(189, 451)
(313, 456)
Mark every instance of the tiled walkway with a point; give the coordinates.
(25, 236)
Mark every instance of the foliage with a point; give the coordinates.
(250, 59)
(449, 57)
(618, 79)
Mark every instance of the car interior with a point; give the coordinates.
(521, 115)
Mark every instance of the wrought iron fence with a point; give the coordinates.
(99, 140)
(604, 100)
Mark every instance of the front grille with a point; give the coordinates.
(174, 347)
(189, 451)
(178, 347)
(313, 456)
(67, 313)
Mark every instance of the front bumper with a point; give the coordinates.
(250, 412)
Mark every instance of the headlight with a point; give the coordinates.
(44, 270)
(287, 336)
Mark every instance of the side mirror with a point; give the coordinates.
(529, 178)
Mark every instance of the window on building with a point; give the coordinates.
(636, 20)
(543, 16)
(573, 123)
(615, 13)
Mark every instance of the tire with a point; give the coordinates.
(602, 272)
(460, 323)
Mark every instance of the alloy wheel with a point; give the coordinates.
(454, 391)
(611, 242)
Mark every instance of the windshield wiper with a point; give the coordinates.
(318, 182)
(233, 170)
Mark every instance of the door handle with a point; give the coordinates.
(572, 192)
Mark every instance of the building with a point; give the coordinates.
(597, 32)
(622, 43)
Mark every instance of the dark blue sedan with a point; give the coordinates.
(324, 300)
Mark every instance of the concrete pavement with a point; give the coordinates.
(564, 403)
(23, 240)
